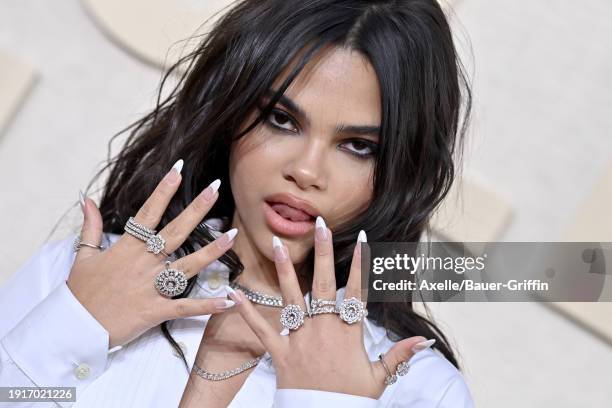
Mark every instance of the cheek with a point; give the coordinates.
(352, 195)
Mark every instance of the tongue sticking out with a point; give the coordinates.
(290, 213)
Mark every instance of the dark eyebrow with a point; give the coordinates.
(365, 130)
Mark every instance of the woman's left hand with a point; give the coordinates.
(325, 353)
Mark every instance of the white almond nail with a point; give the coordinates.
(229, 290)
(224, 304)
(178, 166)
(321, 223)
(215, 185)
(276, 242)
(232, 234)
(362, 236)
(423, 345)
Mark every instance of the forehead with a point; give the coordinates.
(338, 85)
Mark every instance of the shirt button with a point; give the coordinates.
(82, 371)
(182, 346)
(214, 281)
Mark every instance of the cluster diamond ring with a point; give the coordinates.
(170, 282)
(292, 317)
(352, 310)
(402, 368)
(155, 242)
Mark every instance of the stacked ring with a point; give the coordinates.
(155, 242)
(320, 306)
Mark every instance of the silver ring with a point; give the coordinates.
(390, 378)
(170, 282)
(320, 306)
(77, 244)
(402, 368)
(155, 242)
(139, 227)
(292, 317)
(352, 310)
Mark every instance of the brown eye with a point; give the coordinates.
(281, 120)
(363, 148)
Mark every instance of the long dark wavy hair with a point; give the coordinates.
(425, 99)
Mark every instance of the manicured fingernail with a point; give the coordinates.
(284, 332)
(210, 191)
(279, 250)
(178, 166)
(360, 238)
(82, 200)
(321, 231)
(224, 304)
(423, 345)
(173, 174)
(232, 294)
(227, 238)
(229, 290)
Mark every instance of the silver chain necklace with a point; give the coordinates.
(259, 297)
(255, 297)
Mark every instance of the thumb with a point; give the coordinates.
(91, 231)
(402, 351)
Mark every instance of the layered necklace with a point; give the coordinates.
(256, 297)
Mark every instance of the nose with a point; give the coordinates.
(307, 167)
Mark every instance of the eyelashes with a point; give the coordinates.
(283, 122)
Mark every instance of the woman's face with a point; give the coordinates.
(302, 153)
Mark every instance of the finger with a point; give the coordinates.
(353, 284)
(324, 279)
(154, 207)
(177, 231)
(399, 352)
(268, 336)
(287, 279)
(91, 231)
(193, 263)
(188, 307)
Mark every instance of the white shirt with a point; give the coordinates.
(48, 338)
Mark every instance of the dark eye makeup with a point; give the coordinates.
(281, 121)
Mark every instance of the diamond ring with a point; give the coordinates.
(402, 368)
(155, 242)
(390, 378)
(320, 306)
(77, 244)
(170, 282)
(352, 310)
(292, 317)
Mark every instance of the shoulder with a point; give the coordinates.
(431, 381)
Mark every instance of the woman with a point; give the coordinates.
(296, 127)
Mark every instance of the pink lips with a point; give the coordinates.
(281, 224)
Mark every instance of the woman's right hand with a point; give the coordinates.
(117, 285)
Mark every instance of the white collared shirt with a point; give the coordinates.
(48, 338)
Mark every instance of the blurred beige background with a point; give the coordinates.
(74, 73)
